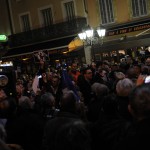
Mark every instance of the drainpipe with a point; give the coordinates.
(86, 10)
(85, 6)
(9, 17)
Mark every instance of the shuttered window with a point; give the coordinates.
(139, 8)
(47, 16)
(25, 22)
(106, 11)
(70, 10)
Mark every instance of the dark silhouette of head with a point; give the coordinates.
(73, 136)
(68, 101)
(139, 102)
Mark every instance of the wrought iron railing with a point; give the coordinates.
(47, 33)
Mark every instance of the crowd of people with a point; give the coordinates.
(98, 106)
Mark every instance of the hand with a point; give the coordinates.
(140, 80)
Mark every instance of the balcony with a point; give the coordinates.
(47, 33)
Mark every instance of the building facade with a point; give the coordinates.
(44, 25)
(52, 24)
(5, 26)
(127, 26)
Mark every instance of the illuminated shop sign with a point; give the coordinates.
(3, 37)
(6, 64)
(128, 29)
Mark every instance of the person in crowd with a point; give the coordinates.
(106, 65)
(145, 70)
(19, 90)
(123, 89)
(117, 76)
(48, 110)
(129, 61)
(110, 127)
(3, 145)
(44, 83)
(7, 106)
(114, 69)
(3, 116)
(131, 74)
(68, 113)
(14, 147)
(29, 85)
(74, 72)
(25, 127)
(139, 107)
(84, 83)
(73, 136)
(56, 89)
(102, 77)
(70, 105)
(147, 61)
(93, 68)
(137, 69)
(95, 106)
(2, 132)
(25, 102)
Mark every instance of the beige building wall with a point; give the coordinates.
(122, 11)
(32, 6)
(122, 14)
(93, 13)
(4, 19)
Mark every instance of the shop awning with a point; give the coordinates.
(127, 43)
(75, 44)
(47, 45)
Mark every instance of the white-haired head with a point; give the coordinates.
(124, 87)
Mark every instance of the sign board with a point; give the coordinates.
(3, 37)
(127, 29)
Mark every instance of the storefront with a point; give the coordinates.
(131, 39)
(25, 58)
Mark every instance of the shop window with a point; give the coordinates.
(106, 11)
(113, 55)
(139, 8)
(105, 54)
(121, 54)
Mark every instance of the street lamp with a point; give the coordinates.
(90, 37)
(101, 33)
(87, 36)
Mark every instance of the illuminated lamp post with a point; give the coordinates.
(89, 38)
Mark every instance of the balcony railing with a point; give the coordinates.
(47, 33)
